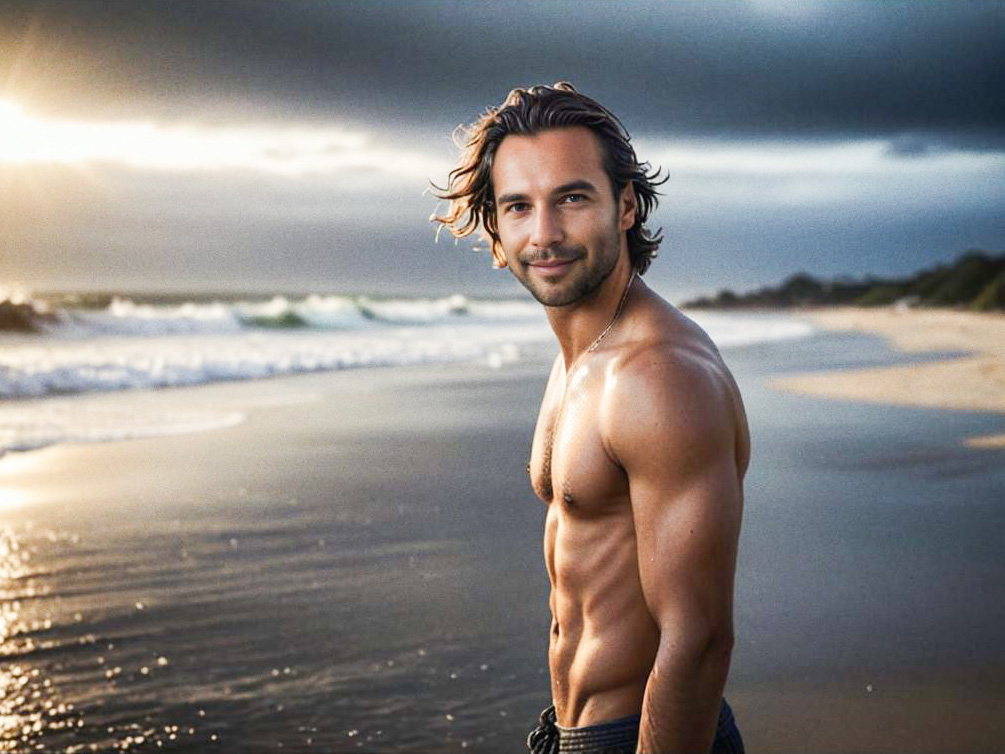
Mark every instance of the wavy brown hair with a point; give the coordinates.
(471, 195)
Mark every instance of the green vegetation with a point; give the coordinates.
(974, 281)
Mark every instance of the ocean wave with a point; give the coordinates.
(22, 314)
(128, 345)
(94, 315)
(88, 345)
(44, 367)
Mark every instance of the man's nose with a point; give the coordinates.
(547, 229)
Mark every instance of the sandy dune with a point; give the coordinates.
(974, 382)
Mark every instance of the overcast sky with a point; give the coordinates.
(287, 145)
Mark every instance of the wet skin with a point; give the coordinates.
(639, 454)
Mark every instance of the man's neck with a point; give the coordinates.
(579, 325)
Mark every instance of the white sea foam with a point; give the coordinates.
(128, 346)
(124, 316)
(206, 343)
(734, 329)
(47, 367)
(37, 424)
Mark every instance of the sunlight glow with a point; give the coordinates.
(12, 498)
(25, 139)
(14, 493)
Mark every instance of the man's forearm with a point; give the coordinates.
(682, 698)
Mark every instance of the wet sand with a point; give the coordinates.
(357, 567)
(971, 382)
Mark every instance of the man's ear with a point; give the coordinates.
(628, 206)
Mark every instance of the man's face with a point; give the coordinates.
(560, 227)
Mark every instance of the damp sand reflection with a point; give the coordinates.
(51, 654)
(31, 709)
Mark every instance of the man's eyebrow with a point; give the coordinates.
(507, 198)
(581, 185)
(565, 188)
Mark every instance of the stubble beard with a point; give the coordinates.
(588, 281)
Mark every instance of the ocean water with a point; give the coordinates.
(76, 346)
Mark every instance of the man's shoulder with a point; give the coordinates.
(669, 356)
(670, 382)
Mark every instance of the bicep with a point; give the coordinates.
(686, 533)
(679, 456)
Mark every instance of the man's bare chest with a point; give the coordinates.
(569, 462)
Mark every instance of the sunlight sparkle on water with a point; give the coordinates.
(29, 706)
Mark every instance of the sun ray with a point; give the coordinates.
(30, 140)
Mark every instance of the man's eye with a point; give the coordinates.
(517, 207)
(573, 198)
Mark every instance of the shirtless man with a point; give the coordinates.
(641, 444)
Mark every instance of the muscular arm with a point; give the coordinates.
(673, 428)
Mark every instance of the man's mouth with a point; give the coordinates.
(552, 264)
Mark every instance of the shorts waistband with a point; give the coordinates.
(623, 732)
(618, 736)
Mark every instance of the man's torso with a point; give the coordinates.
(603, 640)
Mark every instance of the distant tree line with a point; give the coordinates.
(976, 281)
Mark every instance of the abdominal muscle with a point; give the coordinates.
(603, 639)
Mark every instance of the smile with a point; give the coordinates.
(552, 266)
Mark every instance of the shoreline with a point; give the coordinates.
(971, 382)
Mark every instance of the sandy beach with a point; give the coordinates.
(974, 381)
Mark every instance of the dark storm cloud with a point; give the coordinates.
(835, 137)
(758, 70)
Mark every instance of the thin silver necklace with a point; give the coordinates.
(617, 314)
(561, 406)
